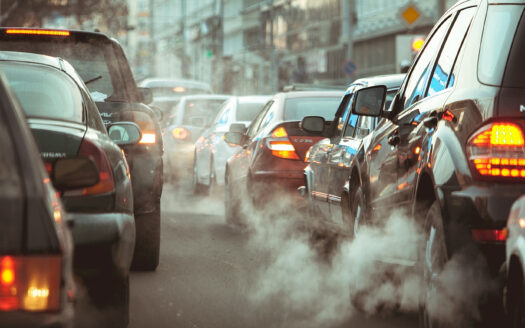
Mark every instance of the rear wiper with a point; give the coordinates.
(93, 80)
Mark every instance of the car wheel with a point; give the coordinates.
(433, 259)
(198, 188)
(516, 299)
(147, 242)
(231, 204)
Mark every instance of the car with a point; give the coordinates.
(189, 118)
(167, 92)
(450, 151)
(66, 123)
(327, 175)
(211, 151)
(514, 264)
(273, 149)
(37, 288)
(102, 65)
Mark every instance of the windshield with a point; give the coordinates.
(247, 111)
(178, 91)
(95, 63)
(205, 109)
(44, 92)
(297, 108)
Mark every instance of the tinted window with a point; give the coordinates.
(224, 113)
(515, 71)
(365, 126)
(416, 84)
(44, 92)
(346, 111)
(389, 97)
(93, 61)
(297, 108)
(254, 127)
(351, 125)
(247, 111)
(204, 108)
(448, 55)
(498, 34)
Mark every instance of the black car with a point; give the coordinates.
(451, 150)
(65, 123)
(327, 176)
(103, 66)
(36, 246)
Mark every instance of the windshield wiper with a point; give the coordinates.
(93, 80)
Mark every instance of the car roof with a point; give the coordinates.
(389, 80)
(167, 82)
(309, 94)
(254, 99)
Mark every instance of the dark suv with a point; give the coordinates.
(103, 66)
(452, 149)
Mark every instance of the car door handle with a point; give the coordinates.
(394, 140)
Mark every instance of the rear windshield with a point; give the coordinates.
(297, 108)
(95, 63)
(206, 109)
(248, 111)
(44, 92)
(498, 34)
(176, 91)
(515, 71)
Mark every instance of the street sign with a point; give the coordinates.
(410, 14)
(349, 67)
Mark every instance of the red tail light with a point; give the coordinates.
(497, 150)
(181, 134)
(146, 124)
(106, 183)
(281, 146)
(489, 235)
(30, 283)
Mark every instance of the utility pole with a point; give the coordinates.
(274, 60)
(153, 47)
(347, 27)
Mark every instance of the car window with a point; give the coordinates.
(416, 84)
(447, 58)
(268, 116)
(351, 125)
(364, 126)
(206, 109)
(515, 71)
(498, 34)
(224, 113)
(297, 108)
(346, 111)
(254, 127)
(246, 111)
(44, 92)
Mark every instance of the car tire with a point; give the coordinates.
(147, 242)
(515, 298)
(231, 204)
(433, 258)
(198, 188)
(354, 212)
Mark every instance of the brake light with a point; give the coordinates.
(106, 183)
(497, 150)
(148, 138)
(30, 283)
(38, 32)
(146, 124)
(489, 235)
(281, 146)
(180, 133)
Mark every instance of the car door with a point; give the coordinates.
(320, 155)
(435, 93)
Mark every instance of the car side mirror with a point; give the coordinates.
(235, 138)
(74, 173)
(238, 128)
(369, 101)
(146, 95)
(312, 124)
(124, 133)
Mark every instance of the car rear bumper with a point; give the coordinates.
(103, 240)
(287, 182)
(147, 180)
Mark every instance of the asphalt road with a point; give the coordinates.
(215, 275)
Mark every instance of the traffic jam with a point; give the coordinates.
(393, 199)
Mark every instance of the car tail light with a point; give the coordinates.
(38, 32)
(106, 183)
(497, 150)
(146, 124)
(489, 235)
(281, 146)
(30, 283)
(181, 134)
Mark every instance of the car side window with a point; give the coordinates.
(417, 82)
(351, 125)
(268, 117)
(93, 115)
(364, 126)
(252, 131)
(224, 114)
(442, 72)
